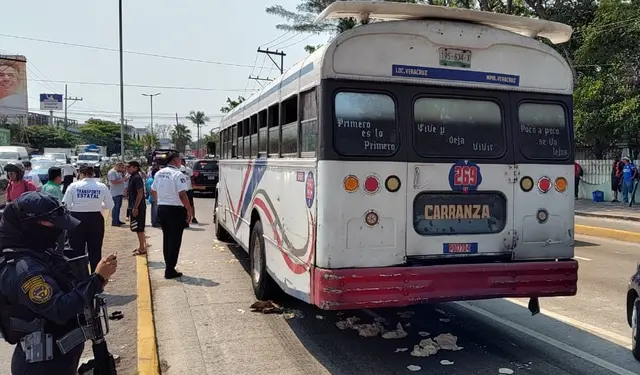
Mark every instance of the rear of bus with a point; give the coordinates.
(443, 190)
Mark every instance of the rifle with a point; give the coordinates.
(94, 326)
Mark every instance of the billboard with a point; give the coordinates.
(13, 89)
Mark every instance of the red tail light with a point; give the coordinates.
(544, 184)
(196, 174)
(371, 184)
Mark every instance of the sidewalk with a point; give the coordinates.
(607, 210)
(202, 320)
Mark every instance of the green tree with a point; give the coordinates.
(41, 136)
(199, 119)
(181, 137)
(149, 142)
(311, 49)
(607, 97)
(103, 133)
(231, 104)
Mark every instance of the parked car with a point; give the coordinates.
(633, 311)
(205, 175)
(41, 167)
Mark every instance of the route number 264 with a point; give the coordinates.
(465, 175)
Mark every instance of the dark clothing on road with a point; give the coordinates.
(172, 220)
(88, 236)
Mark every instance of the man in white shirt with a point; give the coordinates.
(29, 175)
(86, 199)
(169, 189)
(68, 173)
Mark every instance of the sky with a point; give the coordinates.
(213, 31)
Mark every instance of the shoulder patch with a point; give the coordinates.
(38, 290)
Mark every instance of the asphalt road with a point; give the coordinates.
(585, 334)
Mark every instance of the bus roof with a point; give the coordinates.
(388, 11)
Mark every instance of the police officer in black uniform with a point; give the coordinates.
(40, 296)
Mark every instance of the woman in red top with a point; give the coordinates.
(17, 185)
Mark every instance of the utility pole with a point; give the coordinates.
(66, 106)
(177, 123)
(269, 55)
(121, 83)
(151, 97)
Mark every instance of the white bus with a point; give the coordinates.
(428, 157)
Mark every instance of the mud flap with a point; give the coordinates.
(534, 306)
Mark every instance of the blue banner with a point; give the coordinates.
(455, 75)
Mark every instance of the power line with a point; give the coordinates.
(300, 41)
(141, 86)
(129, 52)
(286, 40)
(266, 45)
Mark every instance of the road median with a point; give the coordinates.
(147, 349)
(615, 234)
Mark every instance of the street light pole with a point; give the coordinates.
(151, 97)
(121, 83)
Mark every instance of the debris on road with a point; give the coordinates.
(266, 307)
(369, 330)
(348, 323)
(319, 317)
(441, 312)
(406, 314)
(116, 315)
(445, 320)
(379, 319)
(414, 368)
(425, 348)
(505, 370)
(424, 334)
(398, 333)
(241, 311)
(291, 314)
(447, 341)
(400, 350)
(445, 362)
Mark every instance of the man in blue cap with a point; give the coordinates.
(40, 298)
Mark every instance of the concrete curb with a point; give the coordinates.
(615, 234)
(608, 216)
(148, 363)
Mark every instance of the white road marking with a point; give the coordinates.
(582, 258)
(548, 340)
(615, 338)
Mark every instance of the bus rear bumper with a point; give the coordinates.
(359, 288)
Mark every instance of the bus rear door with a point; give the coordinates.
(544, 203)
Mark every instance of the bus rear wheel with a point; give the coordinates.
(263, 285)
(635, 329)
(221, 233)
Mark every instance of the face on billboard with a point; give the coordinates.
(9, 80)
(13, 89)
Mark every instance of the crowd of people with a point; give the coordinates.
(624, 176)
(36, 280)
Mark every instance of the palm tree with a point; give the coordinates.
(149, 141)
(198, 119)
(181, 137)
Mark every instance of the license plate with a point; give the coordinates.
(211, 177)
(455, 57)
(460, 248)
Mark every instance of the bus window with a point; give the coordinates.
(365, 124)
(543, 131)
(458, 128)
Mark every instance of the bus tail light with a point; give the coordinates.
(561, 184)
(351, 183)
(542, 216)
(526, 184)
(371, 185)
(544, 184)
(371, 218)
(392, 183)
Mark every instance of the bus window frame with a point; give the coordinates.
(472, 97)
(566, 101)
(354, 90)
